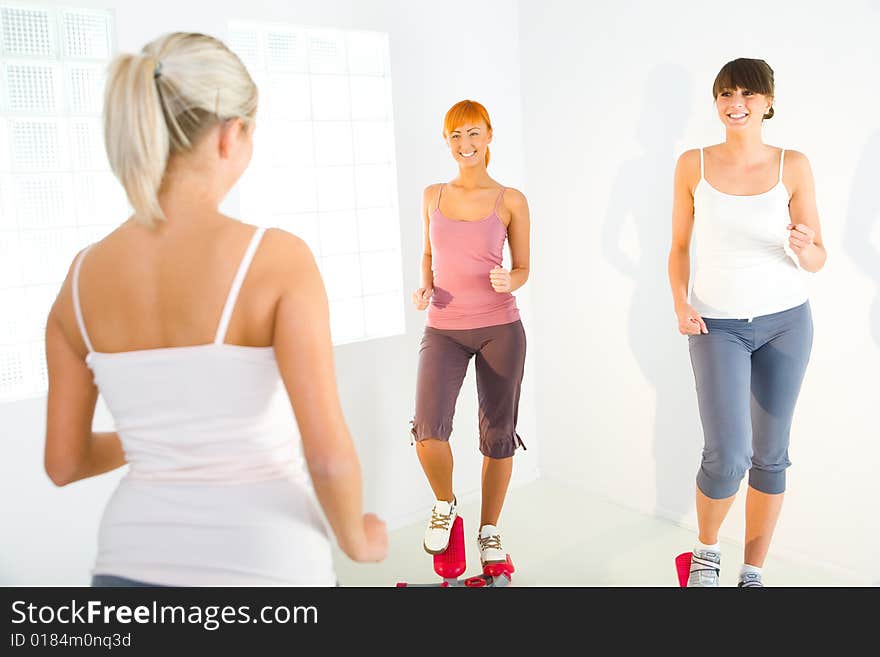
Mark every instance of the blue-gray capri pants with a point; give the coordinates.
(748, 375)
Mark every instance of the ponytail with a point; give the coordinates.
(136, 134)
(161, 102)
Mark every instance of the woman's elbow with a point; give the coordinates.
(60, 473)
(59, 477)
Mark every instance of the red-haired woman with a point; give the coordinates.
(471, 312)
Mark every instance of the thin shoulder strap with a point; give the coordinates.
(440, 194)
(702, 168)
(498, 200)
(781, 163)
(76, 307)
(236, 285)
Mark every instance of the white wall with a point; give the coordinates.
(614, 92)
(47, 535)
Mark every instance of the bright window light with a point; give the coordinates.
(323, 165)
(57, 193)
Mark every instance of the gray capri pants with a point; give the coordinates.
(748, 375)
(443, 361)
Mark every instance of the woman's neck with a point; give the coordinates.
(473, 178)
(746, 145)
(187, 197)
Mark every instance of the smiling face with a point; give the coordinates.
(743, 92)
(740, 108)
(468, 143)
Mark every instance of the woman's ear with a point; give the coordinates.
(229, 133)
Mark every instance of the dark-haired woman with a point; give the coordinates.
(747, 319)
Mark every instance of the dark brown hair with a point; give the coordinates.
(752, 74)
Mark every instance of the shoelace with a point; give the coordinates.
(490, 542)
(707, 564)
(439, 520)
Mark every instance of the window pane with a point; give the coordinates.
(286, 50)
(87, 145)
(369, 98)
(333, 143)
(383, 314)
(5, 160)
(7, 207)
(39, 371)
(33, 88)
(38, 301)
(380, 272)
(331, 100)
(10, 268)
(342, 276)
(374, 186)
(289, 97)
(86, 34)
(378, 228)
(46, 254)
(28, 32)
(100, 199)
(346, 320)
(37, 145)
(373, 142)
(335, 189)
(85, 89)
(327, 52)
(44, 200)
(291, 142)
(13, 382)
(367, 54)
(246, 44)
(338, 232)
(10, 322)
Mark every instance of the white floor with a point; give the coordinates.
(605, 546)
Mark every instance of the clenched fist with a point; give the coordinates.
(500, 279)
(689, 321)
(422, 297)
(800, 237)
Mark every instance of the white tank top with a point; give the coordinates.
(217, 492)
(742, 268)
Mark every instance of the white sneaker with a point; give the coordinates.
(750, 580)
(489, 540)
(705, 568)
(440, 527)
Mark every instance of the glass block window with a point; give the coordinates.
(324, 167)
(57, 193)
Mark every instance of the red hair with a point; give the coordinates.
(466, 111)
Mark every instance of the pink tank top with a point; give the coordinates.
(462, 255)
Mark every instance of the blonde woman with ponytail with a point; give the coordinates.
(188, 322)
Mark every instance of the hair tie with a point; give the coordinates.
(157, 71)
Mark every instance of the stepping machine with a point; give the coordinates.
(450, 564)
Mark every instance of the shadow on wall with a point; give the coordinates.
(642, 191)
(863, 219)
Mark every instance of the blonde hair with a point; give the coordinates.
(161, 101)
(466, 111)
